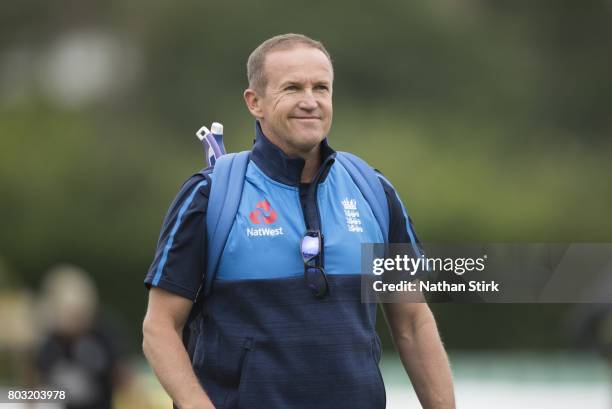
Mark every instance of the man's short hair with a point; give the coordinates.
(255, 64)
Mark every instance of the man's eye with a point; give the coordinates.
(291, 88)
(322, 87)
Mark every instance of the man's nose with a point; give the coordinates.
(308, 101)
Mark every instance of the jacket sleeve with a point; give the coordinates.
(401, 229)
(180, 257)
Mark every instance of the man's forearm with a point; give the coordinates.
(416, 337)
(167, 356)
(426, 363)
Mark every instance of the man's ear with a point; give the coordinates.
(253, 103)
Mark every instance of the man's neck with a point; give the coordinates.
(311, 165)
(312, 158)
(312, 161)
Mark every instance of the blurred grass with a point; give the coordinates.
(512, 380)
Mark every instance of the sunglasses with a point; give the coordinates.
(312, 255)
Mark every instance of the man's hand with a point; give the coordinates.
(416, 338)
(163, 346)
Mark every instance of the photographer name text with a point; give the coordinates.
(438, 286)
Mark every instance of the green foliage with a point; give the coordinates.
(490, 118)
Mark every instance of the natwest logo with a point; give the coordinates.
(263, 213)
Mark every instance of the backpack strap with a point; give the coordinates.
(225, 193)
(370, 186)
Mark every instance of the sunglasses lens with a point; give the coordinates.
(315, 278)
(310, 247)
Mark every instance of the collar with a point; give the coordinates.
(277, 165)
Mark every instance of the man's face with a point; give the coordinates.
(295, 110)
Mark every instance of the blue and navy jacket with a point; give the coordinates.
(264, 340)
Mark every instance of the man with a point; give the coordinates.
(280, 330)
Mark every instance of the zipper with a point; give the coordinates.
(314, 187)
(311, 200)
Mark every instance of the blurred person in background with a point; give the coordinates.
(265, 341)
(78, 354)
(18, 333)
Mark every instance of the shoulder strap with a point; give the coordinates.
(368, 183)
(226, 190)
